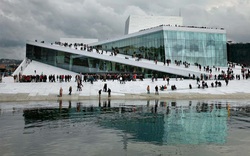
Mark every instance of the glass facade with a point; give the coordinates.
(149, 46)
(196, 47)
(205, 48)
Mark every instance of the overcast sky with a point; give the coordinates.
(50, 20)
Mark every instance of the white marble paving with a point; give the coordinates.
(132, 87)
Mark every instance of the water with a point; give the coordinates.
(120, 127)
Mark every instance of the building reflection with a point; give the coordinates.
(159, 122)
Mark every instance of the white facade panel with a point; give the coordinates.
(136, 23)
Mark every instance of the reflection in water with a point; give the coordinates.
(159, 122)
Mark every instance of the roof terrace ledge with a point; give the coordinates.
(164, 27)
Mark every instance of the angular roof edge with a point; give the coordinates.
(164, 27)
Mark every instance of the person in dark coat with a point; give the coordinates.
(105, 87)
(70, 90)
(100, 92)
(226, 80)
(109, 92)
(190, 86)
(156, 90)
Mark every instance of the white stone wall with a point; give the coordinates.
(136, 23)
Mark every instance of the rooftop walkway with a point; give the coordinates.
(128, 60)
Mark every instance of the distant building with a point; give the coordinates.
(239, 53)
(2, 68)
(8, 66)
(136, 23)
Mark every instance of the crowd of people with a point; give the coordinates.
(42, 78)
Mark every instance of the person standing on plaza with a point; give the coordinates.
(148, 89)
(120, 79)
(105, 87)
(156, 90)
(167, 80)
(226, 80)
(70, 90)
(109, 92)
(60, 92)
(79, 85)
(100, 92)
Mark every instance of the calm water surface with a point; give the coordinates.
(123, 127)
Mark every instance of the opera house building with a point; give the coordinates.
(146, 51)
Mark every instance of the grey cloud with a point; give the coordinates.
(17, 52)
(10, 43)
(102, 19)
